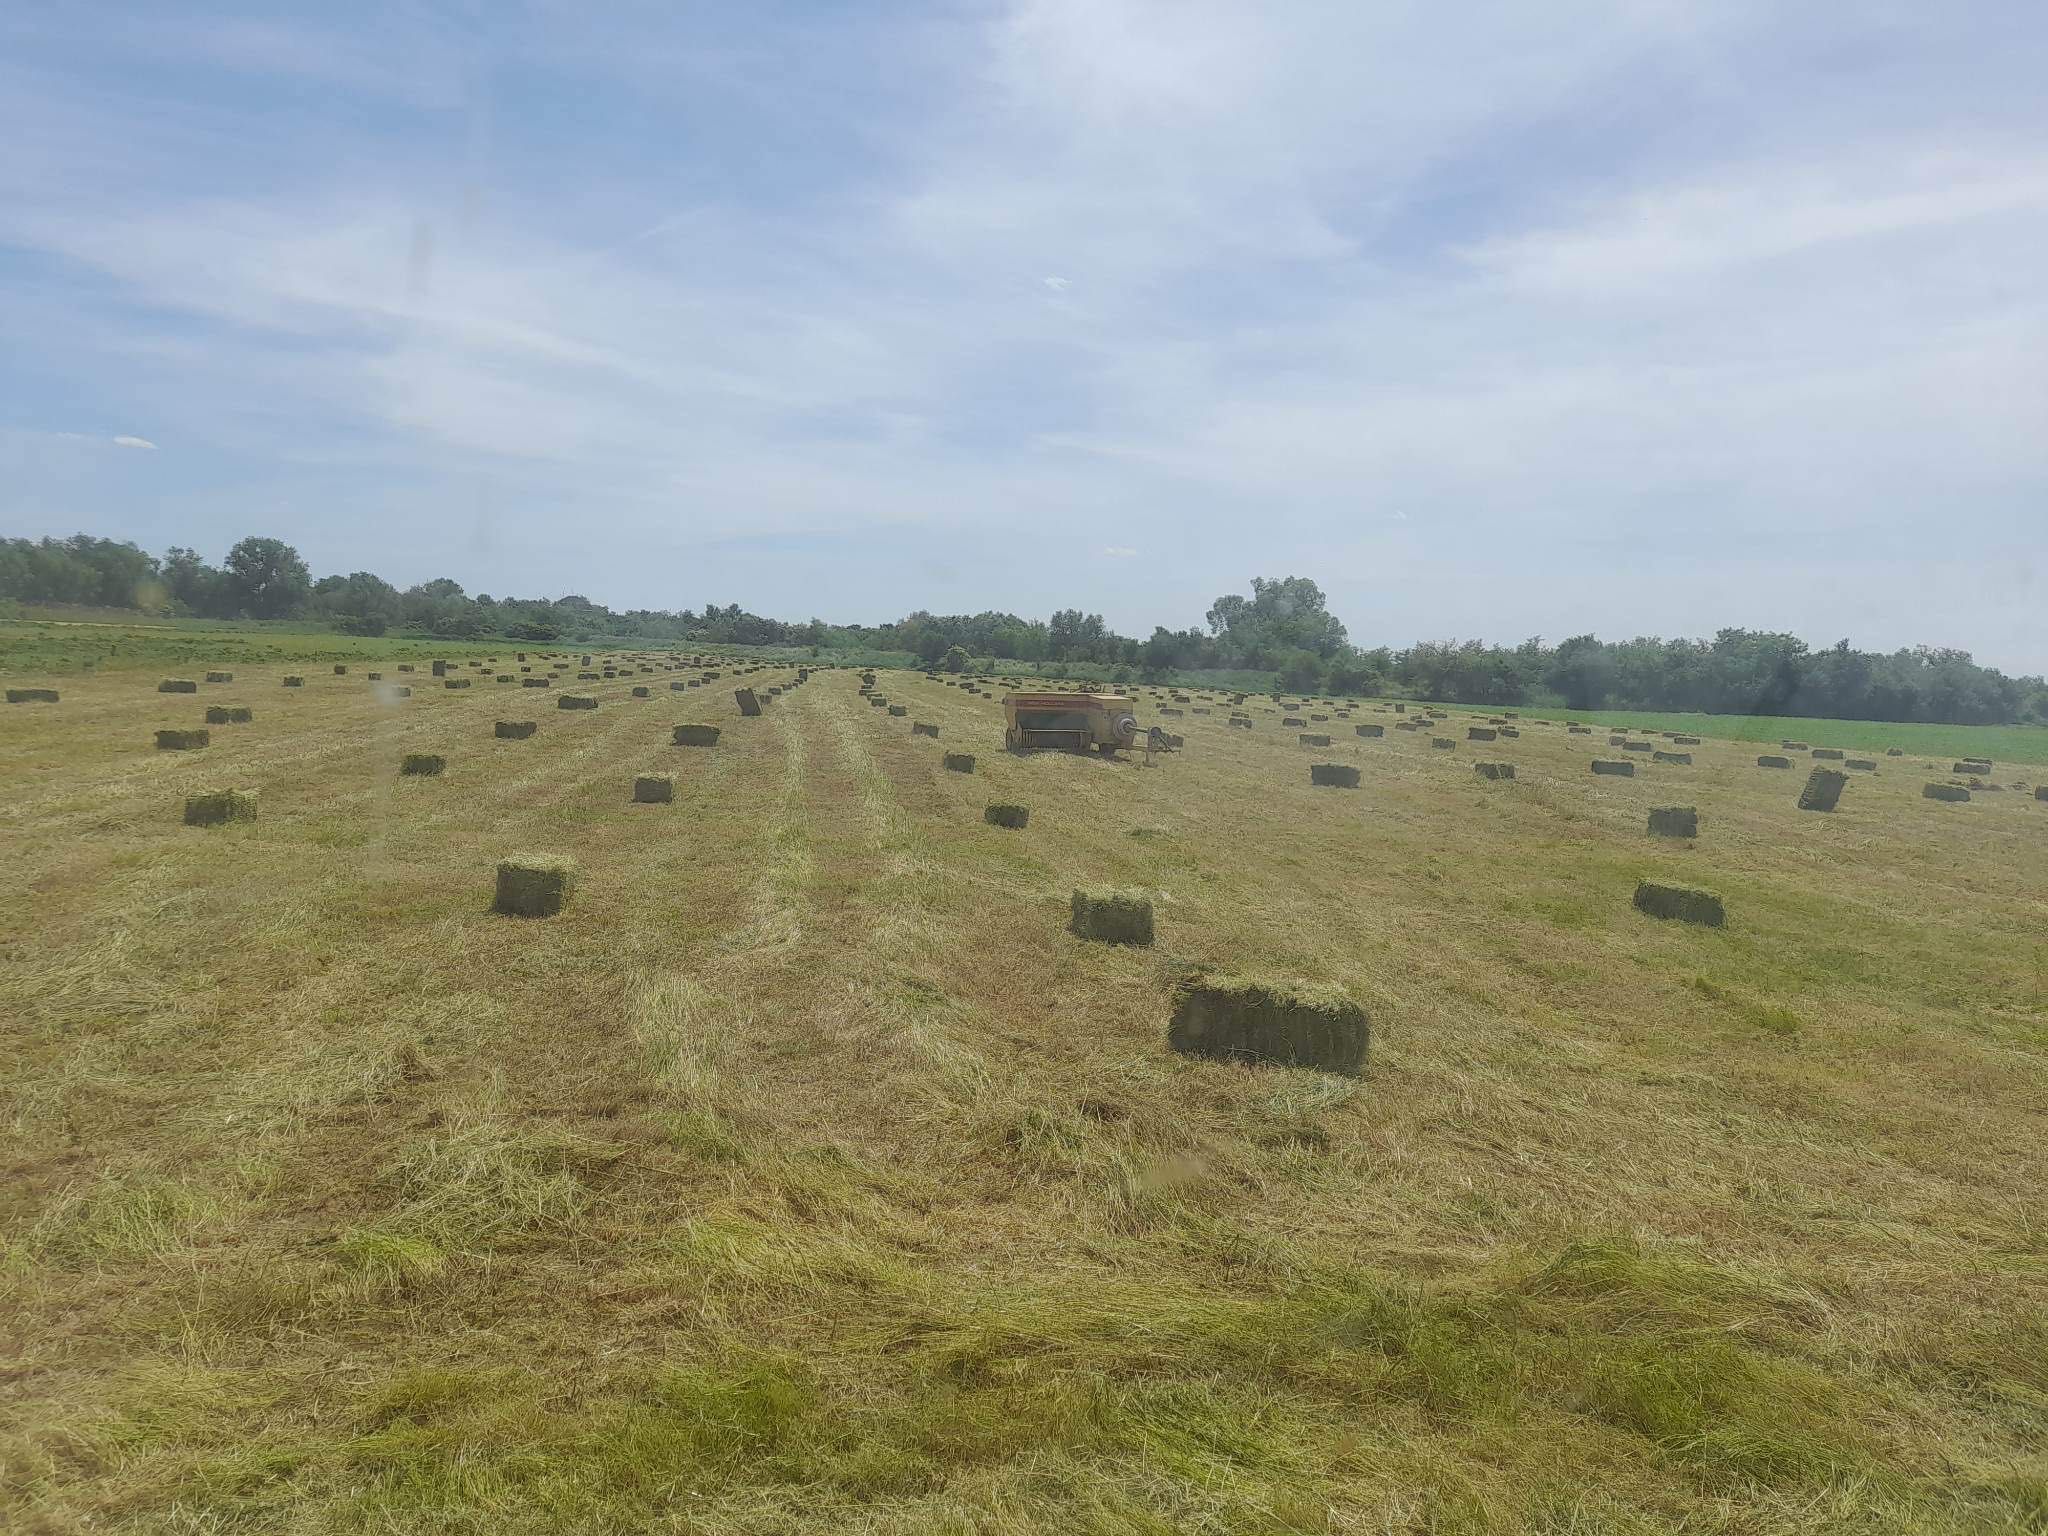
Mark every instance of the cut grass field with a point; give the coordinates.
(806, 1175)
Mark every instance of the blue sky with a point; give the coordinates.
(1639, 316)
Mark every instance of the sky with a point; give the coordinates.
(1497, 320)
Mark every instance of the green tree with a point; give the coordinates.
(266, 579)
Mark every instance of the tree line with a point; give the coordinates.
(1282, 628)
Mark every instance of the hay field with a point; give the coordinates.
(805, 1175)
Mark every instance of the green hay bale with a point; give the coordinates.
(177, 685)
(1617, 770)
(218, 806)
(515, 730)
(576, 701)
(1674, 821)
(1682, 758)
(533, 886)
(920, 728)
(229, 714)
(295, 682)
(1831, 754)
(1823, 789)
(1309, 739)
(1112, 916)
(1333, 775)
(1480, 733)
(960, 762)
(1494, 770)
(220, 677)
(1442, 743)
(653, 789)
(1014, 817)
(182, 741)
(422, 764)
(1679, 902)
(696, 736)
(1954, 792)
(1269, 1022)
(1774, 762)
(749, 705)
(1372, 731)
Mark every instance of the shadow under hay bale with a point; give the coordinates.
(422, 765)
(229, 714)
(1112, 917)
(1774, 762)
(696, 736)
(1332, 775)
(1674, 821)
(575, 701)
(1015, 817)
(177, 685)
(653, 789)
(1494, 770)
(1269, 1023)
(1953, 792)
(219, 806)
(960, 762)
(515, 730)
(1618, 770)
(1823, 789)
(182, 741)
(533, 887)
(1679, 902)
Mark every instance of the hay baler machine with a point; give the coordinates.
(1075, 722)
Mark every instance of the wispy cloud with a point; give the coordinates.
(135, 442)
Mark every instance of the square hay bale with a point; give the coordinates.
(422, 765)
(749, 705)
(1310, 739)
(220, 677)
(1578, 730)
(696, 736)
(1240, 722)
(1685, 741)
(1684, 759)
(1617, 741)
(1015, 817)
(1333, 775)
(375, 677)
(440, 669)
(1510, 733)
(575, 701)
(217, 806)
(1269, 1022)
(898, 711)
(295, 682)
(1638, 746)
(340, 670)
(643, 693)
(1617, 770)
(959, 762)
(1112, 916)
(1823, 789)
(515, 730)
(2041, 791)
(1774, 762)
(1442, 743)
(920, 728)
(533, 886)
(505, 679)
(677, 687)
(1292, 720)
(1372, 731)
(653, 789)
(405, 666)
(535, 682)
(401, 692)
(1494, 770)
(1480, 733)
(1831, 754)
(1972, 765)
(1861, 765)
(1954, 792)
(229, 714)
(454, 682)
(182, 741)
(1793, 746)
(177, 685)
(1681, 902)
(1674, 821)
(1318, 719)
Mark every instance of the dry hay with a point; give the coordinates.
(1674, 821)
(533, 886)
(1823, 789)
(1112, 916)
(220, 805)
(1333, 775)
(1012, 816)
(1618, 770)
(696, 736)
(1269, 1022)
(1944, 792)
(181, 741)
(1494, 770)
(422, 765)
(1774, 762)
(576, 701)
(1680, 902)
(177, 685)
(515, 730)
(653, 789)
(229, 714)
(960, 762)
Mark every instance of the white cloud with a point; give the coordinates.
(1118, 551)
(1056, 284)
(125, 441)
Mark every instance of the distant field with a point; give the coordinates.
(806, 1175)
(2000, 743)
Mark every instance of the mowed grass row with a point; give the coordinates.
(805, 1175)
